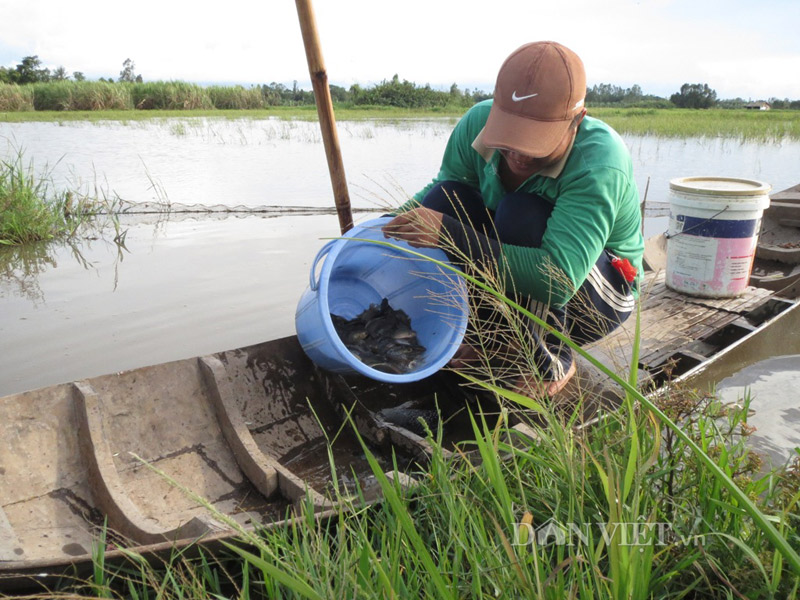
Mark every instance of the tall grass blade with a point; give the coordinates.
(720, 477)
(296, 584)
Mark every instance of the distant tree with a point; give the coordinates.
(694, 95)
(128, 74)
(6, 75)
(78, 76)
(339, 94)
(402, 94)
(732, 103)
(777, 103)
(606, 93)
(60, 74)
(30, 71)
(480, 95)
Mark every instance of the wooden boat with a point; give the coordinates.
(700, 341)
(245, 429)
(248, 430)
(777, 264)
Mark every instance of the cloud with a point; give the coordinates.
(659, 44)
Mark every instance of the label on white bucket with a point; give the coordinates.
(692, 258)
(710, 266)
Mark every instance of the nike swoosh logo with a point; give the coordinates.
(516, 98)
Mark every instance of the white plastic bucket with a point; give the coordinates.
(713, 231)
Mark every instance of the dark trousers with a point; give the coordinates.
(601, 303)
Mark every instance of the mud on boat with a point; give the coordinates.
(246, 429)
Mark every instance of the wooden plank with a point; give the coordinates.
(791, 194)
(109, 493)
(671, 322)
(265, 473)
(260, 469)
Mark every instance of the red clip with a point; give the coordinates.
(624, 266)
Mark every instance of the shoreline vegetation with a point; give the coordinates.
(62, 101)
(33, 210)
(744, 125)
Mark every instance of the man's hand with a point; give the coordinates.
(419, 227)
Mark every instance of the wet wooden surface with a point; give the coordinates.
(677, 333)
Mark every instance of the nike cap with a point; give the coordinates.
(540, 88)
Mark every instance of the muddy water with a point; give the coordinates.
(180, 288)
(232, 162)
(767, 370)
(773, 386)
(277, 162)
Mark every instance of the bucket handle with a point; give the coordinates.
(313, 283)
(700, 224)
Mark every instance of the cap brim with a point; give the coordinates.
(521, 134)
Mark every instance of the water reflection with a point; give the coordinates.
(183, 287)
(20, 267)
(774, 388)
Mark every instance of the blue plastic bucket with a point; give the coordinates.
(357, 273)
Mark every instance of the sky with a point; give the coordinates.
(740, 48)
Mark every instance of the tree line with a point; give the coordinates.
(405, 94)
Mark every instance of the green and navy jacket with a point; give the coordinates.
(595, 205)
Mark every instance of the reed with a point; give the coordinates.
(170, 95)
(100, 95)
(15, 98)
(235, 97)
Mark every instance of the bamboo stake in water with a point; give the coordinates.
(327, 122)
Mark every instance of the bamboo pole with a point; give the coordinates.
(327, 122)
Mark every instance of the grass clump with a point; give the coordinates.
(32, 210)
(29, 210)
(15, 98)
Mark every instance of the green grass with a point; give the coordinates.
(306, 113)
(752, 125)
(31, 210)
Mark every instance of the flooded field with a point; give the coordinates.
(193, 284)
(278, 162)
